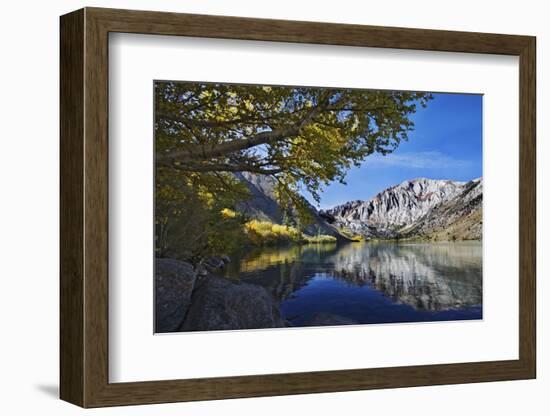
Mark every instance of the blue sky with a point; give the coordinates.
(445, 144)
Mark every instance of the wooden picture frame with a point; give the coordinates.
(84, 207)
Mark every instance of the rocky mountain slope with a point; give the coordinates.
(460, 217)
(419, 208)
(263, 206)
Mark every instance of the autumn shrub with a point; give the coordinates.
(320, 239)
(265, 232)
(268, 233)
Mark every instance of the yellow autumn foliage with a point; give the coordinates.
(266, 232)
(228, 213)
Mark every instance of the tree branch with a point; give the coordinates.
(221, 167)
(194, 152)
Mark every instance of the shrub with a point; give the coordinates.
(320, 239)
(228, 213)
(266, 233)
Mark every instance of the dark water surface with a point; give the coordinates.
(383, 282)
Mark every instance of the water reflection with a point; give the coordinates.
(369, 282)
(425, 276)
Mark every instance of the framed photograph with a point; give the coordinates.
(256, 207)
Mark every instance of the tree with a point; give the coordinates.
(189, 215)
(303, 137)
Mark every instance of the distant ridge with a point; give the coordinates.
(434, 209)
(418, 208)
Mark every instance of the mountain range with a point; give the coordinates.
(419, 208)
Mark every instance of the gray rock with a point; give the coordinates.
(201, 271)
(329, 319)
(221, 304)
(174, 282)
(213, 263)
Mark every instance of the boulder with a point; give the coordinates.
(329, 319)
(212, 264)
(215, 263)
(221, 304)
(174, 283)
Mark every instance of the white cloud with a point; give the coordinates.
(425, 160)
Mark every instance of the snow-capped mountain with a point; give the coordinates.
(438, 209)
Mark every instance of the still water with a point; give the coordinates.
(360, 283)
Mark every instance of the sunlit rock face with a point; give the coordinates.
(431, 277)
(414, 207)
(459, 218)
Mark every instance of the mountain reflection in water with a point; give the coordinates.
(368, 282)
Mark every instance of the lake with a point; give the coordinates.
(367, 283)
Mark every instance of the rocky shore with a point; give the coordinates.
(197, 298)
(191, 298)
